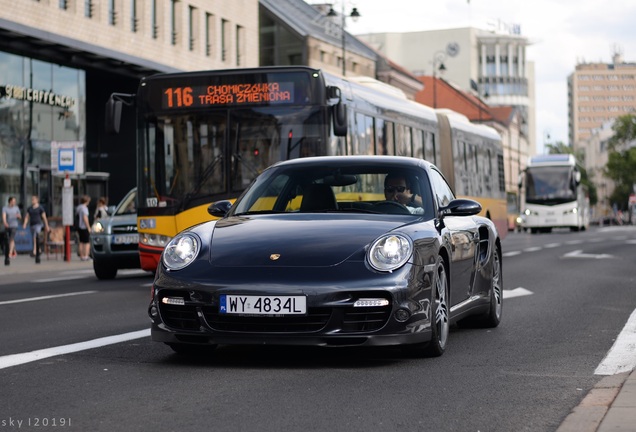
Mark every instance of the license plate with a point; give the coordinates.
(263, 305)
(126, 239)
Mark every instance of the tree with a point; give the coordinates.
(621, 163)
(561, 148)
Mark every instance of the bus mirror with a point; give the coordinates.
(113, 116)
(520, 180)
(339, 114)
(577, 177)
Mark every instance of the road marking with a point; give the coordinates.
(58, 279)
(19, 359)
(512, 253)
(533, 249)
(552, 245)
(580, 254)
(517, 292)
(46, 297)
(622, 356)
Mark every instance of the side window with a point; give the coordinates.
(441, 190)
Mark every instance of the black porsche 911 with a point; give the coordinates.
(332, 251)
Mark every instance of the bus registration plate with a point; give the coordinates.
(263, 305)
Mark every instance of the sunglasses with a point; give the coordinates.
(393, 189)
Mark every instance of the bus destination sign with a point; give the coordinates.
(267, 93)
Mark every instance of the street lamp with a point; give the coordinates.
(438, 64)
(354, 15)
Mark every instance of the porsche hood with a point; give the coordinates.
(281, 241)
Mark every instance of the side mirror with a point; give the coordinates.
(113, 116)
(220, 208)
(338, 111)
(460, 207)
(111, 210)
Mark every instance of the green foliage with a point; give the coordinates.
(621, 163)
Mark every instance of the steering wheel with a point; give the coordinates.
(391, 207)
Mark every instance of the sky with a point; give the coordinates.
(562, 34)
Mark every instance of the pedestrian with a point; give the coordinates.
(84, 228)
(101, 212)
(36, 218)
(10, 216)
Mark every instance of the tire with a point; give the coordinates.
(493, 317)
(440, 323)
(191, 349)
(104, 271)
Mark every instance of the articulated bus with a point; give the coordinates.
(554, 196)
(204, 136)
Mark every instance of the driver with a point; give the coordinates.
(398, 188)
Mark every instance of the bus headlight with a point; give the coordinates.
(153, 240)
(390, 252)
(181, 251)
(572, 210)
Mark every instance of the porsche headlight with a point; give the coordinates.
(181, 251)
(390, 252)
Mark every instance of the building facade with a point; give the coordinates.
(61, 59)
(492, 64)
(598, 93)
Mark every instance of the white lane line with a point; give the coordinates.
(59, 279)
(19, 359)
(622, 356)
(512, 253)
(517, 292)
(551, 245)
(580, 254)
(533, 249)
(46, 297)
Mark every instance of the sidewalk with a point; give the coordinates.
(24, 264)
(609, 406)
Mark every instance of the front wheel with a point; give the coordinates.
(104, 271)
(440, 323)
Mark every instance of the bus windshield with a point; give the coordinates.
(550, 185)
(195, 158)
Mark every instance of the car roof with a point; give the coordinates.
(356, 160)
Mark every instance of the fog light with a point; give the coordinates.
(177, 301)
(154, 313)
(402, 315)
(371, 302)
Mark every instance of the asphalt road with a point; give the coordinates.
(568, 296)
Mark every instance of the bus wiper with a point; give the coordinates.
(248, 166)
(207, 173)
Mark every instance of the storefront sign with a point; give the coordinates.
(38, 96)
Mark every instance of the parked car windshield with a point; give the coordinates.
(127, 205)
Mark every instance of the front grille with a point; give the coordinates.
(341, 319)
(179, 317)
(124, 229)
(364, 319)
(314, 321)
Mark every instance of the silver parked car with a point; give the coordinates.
(114, 240)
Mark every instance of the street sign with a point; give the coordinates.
(67, 156)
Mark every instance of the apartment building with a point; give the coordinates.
(598, 93)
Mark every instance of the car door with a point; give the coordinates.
(464, 242)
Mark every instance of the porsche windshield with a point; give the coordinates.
(316, 189)
(190, 158)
